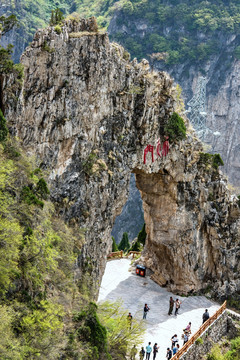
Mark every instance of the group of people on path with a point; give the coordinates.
(177, 303)
(174, 339)
(148, 351)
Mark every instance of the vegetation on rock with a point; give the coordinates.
(138, 245)
(3, 127)
(121, 337)
(210, 160)
(175, 129)
(230, 350)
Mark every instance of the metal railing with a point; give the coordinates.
(202, 328)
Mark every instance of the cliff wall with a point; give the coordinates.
(220, 67)
(88, 113)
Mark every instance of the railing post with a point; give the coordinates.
(121, 253)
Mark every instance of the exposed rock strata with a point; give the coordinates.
(87, 113)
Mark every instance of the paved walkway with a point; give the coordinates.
(119, 282)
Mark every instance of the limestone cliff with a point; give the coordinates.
(88, 113)
(221, 70)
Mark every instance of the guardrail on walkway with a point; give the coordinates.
(120, 253)
(115, 254)
(202, 328)
(133, 253)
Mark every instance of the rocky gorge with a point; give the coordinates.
(87, 113)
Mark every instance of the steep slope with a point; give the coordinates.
(88, 114)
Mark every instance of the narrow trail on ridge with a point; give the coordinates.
(119, 282)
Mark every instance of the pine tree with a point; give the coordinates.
(124, 244)
(56, 17)
(114, 245)
(142, 235)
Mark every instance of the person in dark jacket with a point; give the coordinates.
(169, 353)
(155, 350)
(205, 316)
(142, 353)
(171, 305)
(145, 310)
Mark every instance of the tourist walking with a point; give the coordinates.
(145, 311)
(169, 353)
(205, 316)
(148, 351)
(175, 349)
(133, 352)
(188, 328)
(141, 354)
(177, 306)
(185, 337)
(171, 304)
(155, 350)
(174, 340)
(129, 317)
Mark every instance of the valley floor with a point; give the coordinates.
(119, 282)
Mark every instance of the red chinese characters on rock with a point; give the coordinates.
(160, 151)
(148, 148)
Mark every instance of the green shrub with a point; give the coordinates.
(3, 127)
(120, 336)
(89, 329)
(211, 160)
(42, 189)
(175, 128)
(199, 341)
(29, 197)
(217, 161)
(58, 29)
(46, 47)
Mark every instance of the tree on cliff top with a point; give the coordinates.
(124, 243)
(56, 17)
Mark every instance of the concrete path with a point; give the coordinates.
(120, 283)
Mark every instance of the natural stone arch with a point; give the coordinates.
(87, 113)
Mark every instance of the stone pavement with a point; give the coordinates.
(120, 283)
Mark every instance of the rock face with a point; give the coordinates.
(222, 105)
(88, 113)
(222, 72)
